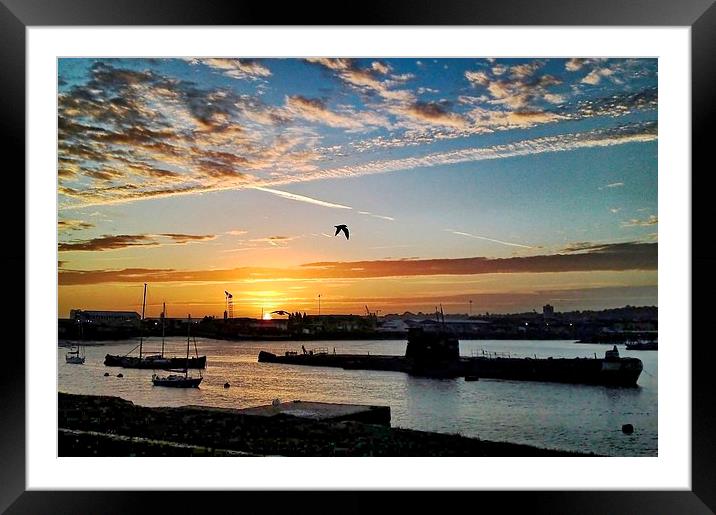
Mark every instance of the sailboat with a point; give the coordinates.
(75, 356)
(178, 380)
(154, 360)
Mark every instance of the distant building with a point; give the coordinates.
(548, 310)
(108, 318)
(317, 324)
(393, 326)
(459, 326)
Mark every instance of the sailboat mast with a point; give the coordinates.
(164, 316)
(188, 328)
(141, 323)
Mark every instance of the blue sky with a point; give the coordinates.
(217, 164)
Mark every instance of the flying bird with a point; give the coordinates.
(340, 228)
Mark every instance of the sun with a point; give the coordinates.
(267, 316)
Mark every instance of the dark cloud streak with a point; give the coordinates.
(606, 257)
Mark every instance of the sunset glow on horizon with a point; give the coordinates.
(483, 185)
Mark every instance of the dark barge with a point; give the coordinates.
(436, 354)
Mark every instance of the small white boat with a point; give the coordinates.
(74, 357)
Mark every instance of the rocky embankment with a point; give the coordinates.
(110, 426)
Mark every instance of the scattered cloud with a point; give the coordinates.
(73, 225)
(381, 67)
(574, 64)
(315, 110)
(434, 112)
(186, 238)
(122, 241)
(236, 68)
(644, 222)
(107, 242)
(275, 241)
(520, 87)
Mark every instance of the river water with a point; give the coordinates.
(549, 415)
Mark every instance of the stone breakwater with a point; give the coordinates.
(110, 426)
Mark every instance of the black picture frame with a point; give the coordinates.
(699, 15)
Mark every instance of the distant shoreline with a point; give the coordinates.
(99, 343)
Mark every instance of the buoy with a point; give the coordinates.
(120, 375)
(106, 374)
(226, 385)
(627, 429)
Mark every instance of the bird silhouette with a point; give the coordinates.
(340, 228)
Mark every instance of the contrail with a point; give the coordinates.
(302, 198)
(311, 200)
(488, 239)
(382, 217)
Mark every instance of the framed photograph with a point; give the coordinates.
(417, 253)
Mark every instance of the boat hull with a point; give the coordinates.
(642, 346)
(610, 372)
(75, 360)
(192, 382)
(154, 363)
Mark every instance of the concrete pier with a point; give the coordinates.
(323, 411)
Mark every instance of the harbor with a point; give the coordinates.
(545, 415)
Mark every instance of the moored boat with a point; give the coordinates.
(176, 381)
(76, 356)
(179, 380)
(152, 361)
(642, 345)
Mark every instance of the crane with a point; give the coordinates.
(368, 313)
(229, 304)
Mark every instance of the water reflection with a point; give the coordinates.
(572, 417)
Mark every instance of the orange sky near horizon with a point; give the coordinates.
(497, 293)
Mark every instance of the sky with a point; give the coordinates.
(482, 185)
